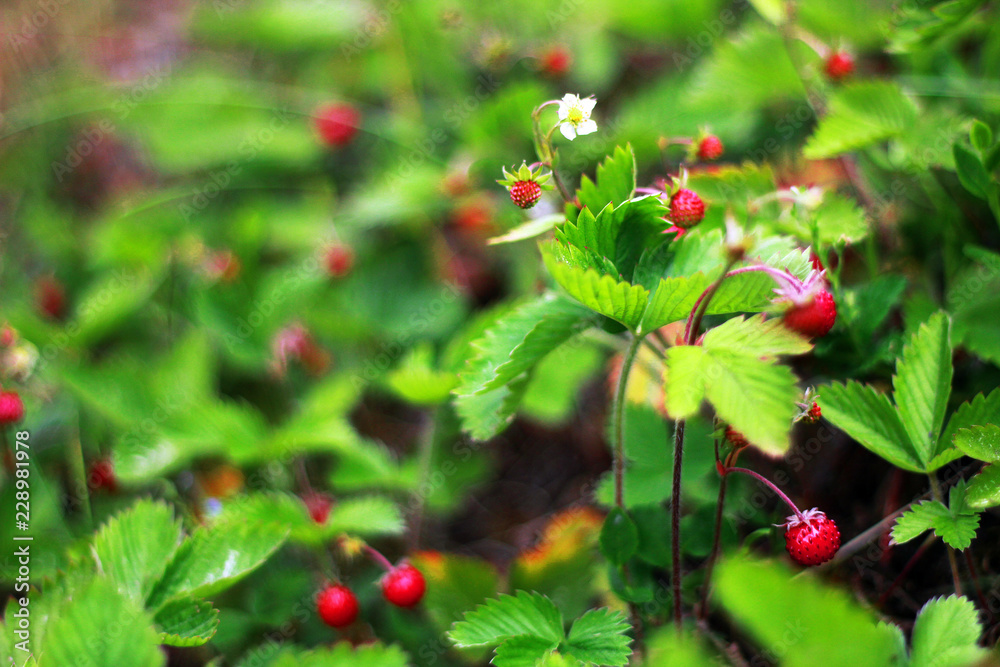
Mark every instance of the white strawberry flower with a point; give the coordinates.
(574, 116)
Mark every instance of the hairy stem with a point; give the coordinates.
(952, 561)
(714, 555)
(769, 483)
(675, 521)
(377, 556)
(619, 420)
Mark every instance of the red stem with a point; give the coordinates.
(769, 483)
(379, 558)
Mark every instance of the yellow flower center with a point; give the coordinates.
(575, 115)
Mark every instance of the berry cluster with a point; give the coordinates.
(403, 586)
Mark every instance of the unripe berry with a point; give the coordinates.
(525, 193)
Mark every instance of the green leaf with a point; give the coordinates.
(599, 637)
(213, 559)
(509, 616)
(619, 537)
(618, 300)
(455, 584)
(800, 619)
(923, 384)
(615, 181)
(946, 627)
(870, 418)
(134, 547)
(971, 171)
(756, 336)
(860, 114)
(667, 648)
(772, 10)
(415, 379)
(341, 654)
(916, 520)
(984, 488)
(980, 442)
(596, 235)
(529, 229)
(673, 300)
(839, 220)
(981, 136)
(523, 651)
(109, 301)
(684, 380)
(958, 530)
(186, 622)
(486, 414)
(103, 628)
(980, 410)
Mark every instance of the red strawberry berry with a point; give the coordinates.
(339, 260)
(710, 148)
(812, 539)
(102, 476)
(318, 505)
(337, 606)
(525, 193)
(337, 124)
(555, 61)
(686, 208)
(403, 586)
(814, 318)
(839, 65)
(11, 408)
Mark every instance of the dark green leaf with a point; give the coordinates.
(615, 181)
(981, 136)
(619, 537)
(186, 622)
(971, 172)
(923, 384)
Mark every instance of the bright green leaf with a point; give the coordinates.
(341, 654)
(980, 442)
(916, 520)
(984, 488)
(756, 336)
(980, 135)
(673, 300)
(522, 651)
(684, 380)
(618, 300)
(923, 384)
(980, 410)
(597, 235)
(509, 616)
(599, 637)
(615, 181)
(860, 114)
(186, 622)
(958, 530)
(528, 230)
(945, 626)
(667, 648)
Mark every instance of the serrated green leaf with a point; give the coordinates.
(860, 114)
(528, 230)
(971, 172)
(641, 226)
(509, 616)
(134, 547)
(984, 488)
(416, 380)
(213, 559)
(980, 442)
(756, 336)
(756, 397)
(839, 220)
(523, 651)
(958, 530)
(869, 418)
(596, 235)
(981, 136)
(980, 410)
(484, 415)
(615, 181)
(916, 520)
(684, 380)
(619, 537)
(455, 584)
(923, 384)
(945, 625)
(673, 300)
(186, 622)
(103, 628)
(827, 626)
(618, 300)
(599, 637)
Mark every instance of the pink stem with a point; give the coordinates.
(765, 480)
(380, 559)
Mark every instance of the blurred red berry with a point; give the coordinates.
(102, 475)
(710, 148)
(337, 606)
(7, 336)
(11, 408)
(50, 297)
(339, 260)
(318, 506)
(404, 586)
(555, 61)
(472, 217)
(337, 123)
(839, 65)
(813, 318)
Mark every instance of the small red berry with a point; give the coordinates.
(525, 193)
(50, 297)
(839, 65)
(555, 61)
(7, 336)
(814, 318)
(339, 260)
(102, 476)
(686, 208)
(337, 606)
(318, 506)
(404, 586)
(11, 408)
(337, 123)
(472, 217)
(814, 413)
(812, 539)
(710, 148)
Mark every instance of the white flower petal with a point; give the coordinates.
(587, 104)
(563, 111)
(568, 131)
(586, 127)
(571, 100)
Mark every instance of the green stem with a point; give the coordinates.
(426, 458)
(952, 561)
(619, 420)
(78, 475)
